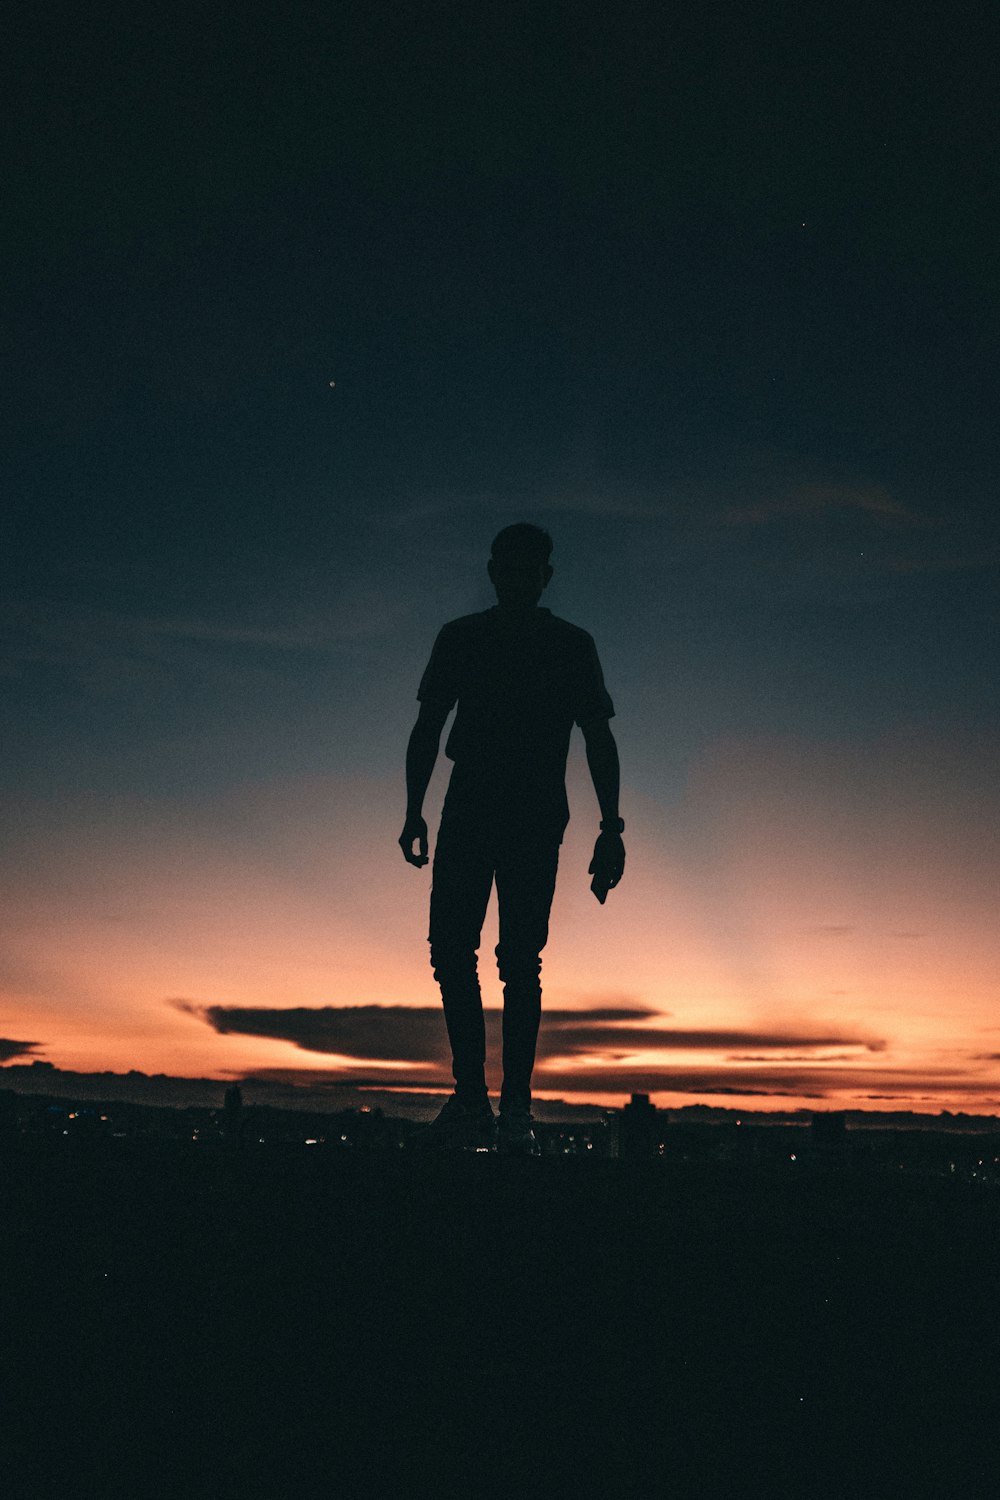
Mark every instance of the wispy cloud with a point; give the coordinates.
(99, 644)
(631, 507)
(803, 501)
(795, 1057)
(416, 1034)
(661, 1038)
(10, 1048)
(586, 499)
(962, 563)
(391, 1033)
(749, 495)
(901, 1085)
(337, 1087)
(600, 1050)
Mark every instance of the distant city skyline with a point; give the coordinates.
(40, 1079)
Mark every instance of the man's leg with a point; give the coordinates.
(526, 881)
(461, 880)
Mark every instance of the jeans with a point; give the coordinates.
(471, 852)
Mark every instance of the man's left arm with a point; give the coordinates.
(608, 863)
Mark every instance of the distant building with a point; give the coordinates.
(828, 1137)
(595, 1139)
(640, 1129)
(86, 1122)
(8, 1116)
(232, 1115)
(613, 1124)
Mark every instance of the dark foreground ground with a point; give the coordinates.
(181, 1323)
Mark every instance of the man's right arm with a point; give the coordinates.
(421, 755)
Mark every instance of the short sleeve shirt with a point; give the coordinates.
(519, 687)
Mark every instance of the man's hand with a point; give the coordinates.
(607, 865)
(414, 828)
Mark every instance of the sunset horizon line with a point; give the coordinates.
(302, 1092)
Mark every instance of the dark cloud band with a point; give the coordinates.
(417, 1035)
(9, 1048)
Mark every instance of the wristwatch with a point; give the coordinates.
(612, 825)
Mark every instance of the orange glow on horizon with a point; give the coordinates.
(774, 898)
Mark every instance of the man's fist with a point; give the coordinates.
(607, 865)
(414, 828)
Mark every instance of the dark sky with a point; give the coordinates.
(711, 292)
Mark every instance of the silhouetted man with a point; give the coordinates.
(521, 678)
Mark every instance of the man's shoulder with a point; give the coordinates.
(482, 624)
(464, 627)
(571, 644)
(467, 622)
(570, 632)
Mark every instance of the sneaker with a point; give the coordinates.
(458, 1127)
(515, 1136)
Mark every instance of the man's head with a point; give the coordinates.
(519, 566)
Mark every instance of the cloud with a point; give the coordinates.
(392, 1033)
(103, 647)
(9, 1048)
(417, 1035)
(765, 1081)
(334, 1079)
(787, 1057)
(340, 1087)
(806, 1081)
(655, 1038)
(959, 564)
(802, 501)
(602, 1013)
(589, 502)
(587, 498)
